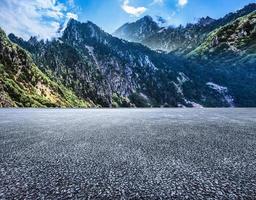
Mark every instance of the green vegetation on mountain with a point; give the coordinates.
(223, 52)
(212, 64)
(109, 71)
(229, 58)
(237, 38)
(22, 84)
(181, 40)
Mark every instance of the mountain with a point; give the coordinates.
(212, 63)
(229, 54)
(113, 72)
(205, 21)
(22, 84)
(222, 50)
(181, 40)
(139, 30)
(236, 40)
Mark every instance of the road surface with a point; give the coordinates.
(128, 154)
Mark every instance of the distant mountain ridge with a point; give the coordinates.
(181, 40)
(236, 38)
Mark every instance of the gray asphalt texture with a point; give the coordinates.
(128, 154)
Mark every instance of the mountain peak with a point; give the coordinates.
(72, 22)
(147, 18)
(250, 6)
(161, 21)
(78, 32)
(138, 30)
(204, 21)
(33, 40)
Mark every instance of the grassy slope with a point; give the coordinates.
(236, 40)
(22, 84)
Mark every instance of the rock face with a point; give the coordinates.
(112, 72)
(22, 84)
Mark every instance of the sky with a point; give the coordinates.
(46, 18)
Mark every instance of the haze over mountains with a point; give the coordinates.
(211, 63)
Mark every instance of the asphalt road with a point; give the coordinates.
(128, 154)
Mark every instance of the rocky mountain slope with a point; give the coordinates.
(236, 40)
(222, 50)
(114, 72)
(212, 63)
(22, 84)
(229, 57)
(181, 40)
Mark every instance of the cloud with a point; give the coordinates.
(157, 2)
(136, 11)
(41, 18)
(161, 21)
(62, 28)
(72, 16)
(71, 2)
(182, 2)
